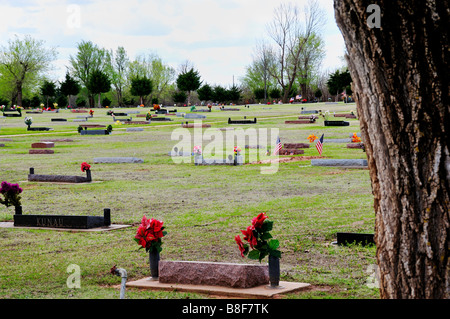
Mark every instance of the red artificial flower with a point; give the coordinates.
(85, 166)
(149, 230)
(240, 244)
(259, 220)
(249, 236)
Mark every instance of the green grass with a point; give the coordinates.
(203, 207)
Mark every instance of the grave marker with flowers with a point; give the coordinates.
(11, 196)
(148, 236)
(261, 244)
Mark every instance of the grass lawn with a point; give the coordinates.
(202, 207)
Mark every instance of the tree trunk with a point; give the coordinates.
(19, 94)
(400, 83)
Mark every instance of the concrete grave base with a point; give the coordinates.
(357, 163)
(117, 160)
(260, 292)
(96, 229)
(41, 151)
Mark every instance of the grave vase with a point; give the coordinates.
(18, 210)
(88, 175)
(154, 264)
(274, 271)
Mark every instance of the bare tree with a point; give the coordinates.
(398, 56)
(290, 33)
(263, 61)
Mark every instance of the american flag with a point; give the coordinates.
(277, 147)
(319, 145)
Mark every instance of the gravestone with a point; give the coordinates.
(337, 140)
(195, 125)
(296, 145)
(3, 139)
(41, 151)
(117, 160)
(194, 116)
(300, 122)
(213, 274)
(32, 177)
(94, 132)
(57, 140)
(80, 120)
(336, 123)
(43, 145)
(176, 152)
(245, 121)
(161, 119)
(2, 145)
(59, 120)
(135, 129)
(309, 112)
(291, 151)
(63, 221)
(339, 162)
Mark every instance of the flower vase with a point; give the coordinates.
(18, 210)
(274, 271)
(154, 264)
(88, 175)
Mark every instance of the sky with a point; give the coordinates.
(217, 36)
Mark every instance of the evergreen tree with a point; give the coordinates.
(69, 87)
(99, 83)
(141, 87)
(189, 81)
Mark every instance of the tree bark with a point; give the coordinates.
(400, 83)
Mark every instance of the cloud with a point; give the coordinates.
(217, 36)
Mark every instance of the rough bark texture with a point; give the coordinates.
(400, 78)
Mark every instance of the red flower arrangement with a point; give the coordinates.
(149, 234)
(10, 193)
(259, 239)
(85, 167)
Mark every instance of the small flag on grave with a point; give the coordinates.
(278, 146)
(319, 145)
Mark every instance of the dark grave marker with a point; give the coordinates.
(32, 177)
(355, 238)
(242, 121)
(59, 120)
(63, 221)
(296, 145)
(336, 123)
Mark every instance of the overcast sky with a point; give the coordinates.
(217, 36)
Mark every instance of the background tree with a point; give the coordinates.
(205, 93)
(24, 60)
(141, 87)
(189, 81)
(338, 81)
(88, 59)
(400, 78)
(69, 87)
(311, 57)
(179, 97)
(98, 83)
(118, 69)
(290, 33)
(48, 89)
